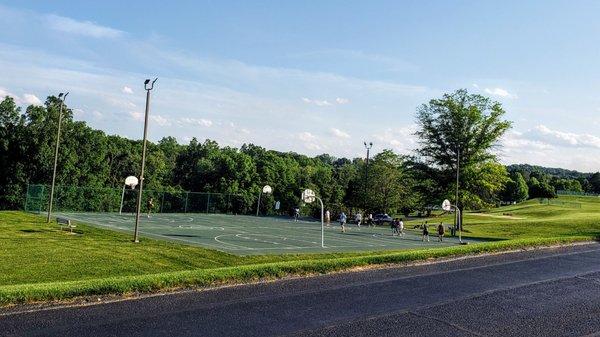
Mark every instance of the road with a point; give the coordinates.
(554, 292)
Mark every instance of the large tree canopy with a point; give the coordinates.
(397, 183)
(465, 126)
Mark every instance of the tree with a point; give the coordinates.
(516, 188)
(466, 126)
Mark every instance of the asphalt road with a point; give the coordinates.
(537, 293)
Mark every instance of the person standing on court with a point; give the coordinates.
(425, 232)
(358, 219)
(296, 214)
(401, 228)
(440, 231)
(327, 217)
(343, 219)
(150, 206)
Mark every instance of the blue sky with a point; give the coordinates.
(313, 76)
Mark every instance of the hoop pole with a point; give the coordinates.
(258, 205)
(322, 225)
(122, 198)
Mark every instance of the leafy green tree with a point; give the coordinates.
(467, 126)
(516, 188)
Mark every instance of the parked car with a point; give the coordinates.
(382, 219)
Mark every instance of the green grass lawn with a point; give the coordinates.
(531, 219)
(40, 262)
(33, 251)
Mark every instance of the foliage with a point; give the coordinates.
(465, 126)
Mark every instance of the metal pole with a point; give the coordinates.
(368, 147)
(322, 225)
(459, 229)
(458, 218)
(56, 156)
(186, 202)
(258, 205)
(139, 201)
(122, 199)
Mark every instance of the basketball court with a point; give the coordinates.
(246, 235)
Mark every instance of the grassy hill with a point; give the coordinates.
(564, 216)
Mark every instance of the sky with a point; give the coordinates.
(313, 76)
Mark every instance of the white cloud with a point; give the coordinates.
(306, 136)
(561, 138)
(195, 121)
(339, 133)
(135, 115)
(324, 102)
(316, 102)
(31, 99)
(500, 93)
(401, 139)
(127, 90)
(83, 28)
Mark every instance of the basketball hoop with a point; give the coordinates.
(308, 196)
(131, 181)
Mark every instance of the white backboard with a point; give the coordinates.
(131, 181)
(267, 189)
(308, 196)
(446, 205)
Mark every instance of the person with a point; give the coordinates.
(296, 214)
(327, 217)
(358, 219)
(440, 231)
(400, 227)
(425, 232)
(394, 227)
(370, 220)
(150, 205)
(343, 221)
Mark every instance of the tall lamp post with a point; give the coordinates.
(148, 87)
(62, 98)
(458, 214)
(368, 147)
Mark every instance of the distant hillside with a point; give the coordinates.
(556, 172)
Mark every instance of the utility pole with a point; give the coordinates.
(139, 199)
(368, 147)
(62, 101)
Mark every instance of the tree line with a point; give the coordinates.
(458, 130)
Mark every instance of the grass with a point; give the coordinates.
(41, 263)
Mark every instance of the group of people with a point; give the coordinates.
(425, 232)
(397, 225)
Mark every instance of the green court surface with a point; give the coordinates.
(245, 235)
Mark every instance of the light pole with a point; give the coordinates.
(139, 199)
(368, 147)
(62, 101)
(458, 214)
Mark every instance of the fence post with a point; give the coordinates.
(207, 202)
(162, 201)
(186, 201)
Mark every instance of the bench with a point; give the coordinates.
(65, 223)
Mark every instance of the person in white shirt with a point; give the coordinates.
(358, 219)
(327, 217)
(401, 227)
